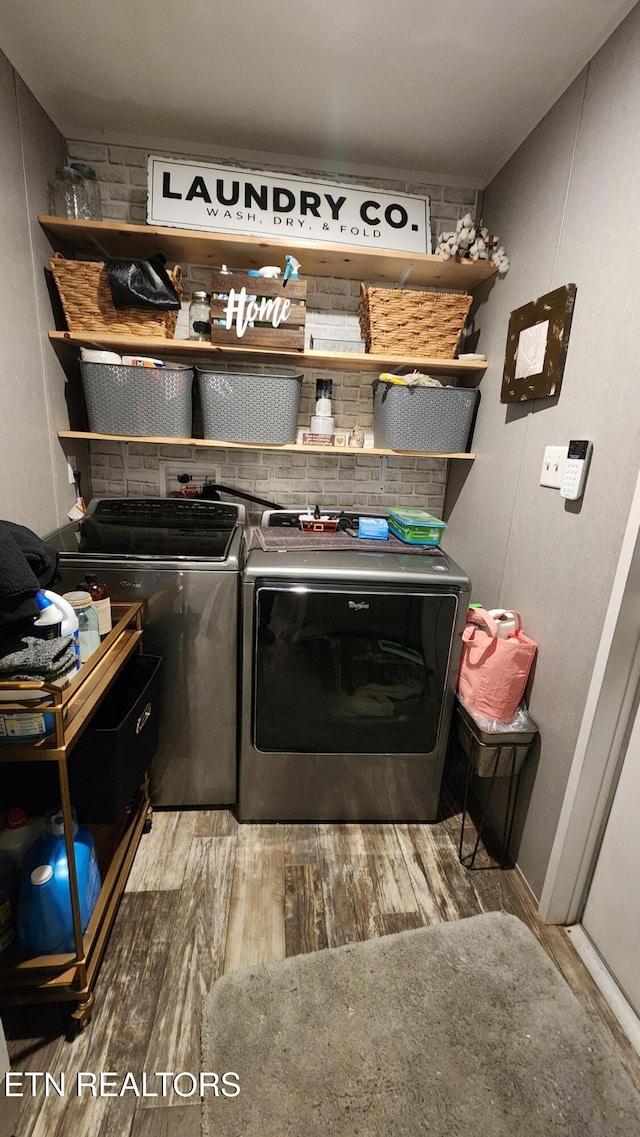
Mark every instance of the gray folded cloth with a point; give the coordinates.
(29, 657)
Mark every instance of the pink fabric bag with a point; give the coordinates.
(493, 671)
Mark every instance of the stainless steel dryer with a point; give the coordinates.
(350, 660)
(182, 558)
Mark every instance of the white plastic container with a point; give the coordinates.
(17, 834)
(27, 725)
(48, 625)
(507, 623)
(95, 355)
(322, 424)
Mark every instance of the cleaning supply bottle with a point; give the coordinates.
(224, 271)
(322, 421)
(290, 269)
(48, 625)
(100, 595)
(45, 921)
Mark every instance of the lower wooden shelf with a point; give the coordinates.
(296, 447)
(58, 978)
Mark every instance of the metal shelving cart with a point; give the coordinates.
(72, 977)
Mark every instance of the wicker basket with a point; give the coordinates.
(86, 299)
(412, 323)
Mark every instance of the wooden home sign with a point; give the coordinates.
(258, 312)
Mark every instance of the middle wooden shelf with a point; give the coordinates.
(332, 361)
(298, 447)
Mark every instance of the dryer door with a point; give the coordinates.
(338, 670)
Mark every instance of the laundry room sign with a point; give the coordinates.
(223, 199)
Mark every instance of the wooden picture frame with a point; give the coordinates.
(537, 342)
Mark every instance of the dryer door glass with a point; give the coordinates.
(346, 671)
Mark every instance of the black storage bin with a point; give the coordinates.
(110, 760)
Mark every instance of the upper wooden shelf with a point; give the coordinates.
(192, 247)
(331, 360)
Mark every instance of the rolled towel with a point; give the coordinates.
(26, 564)
(29, 657)
(41, 558)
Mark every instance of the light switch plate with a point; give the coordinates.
(553, 464)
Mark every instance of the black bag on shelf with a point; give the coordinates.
(142, 284)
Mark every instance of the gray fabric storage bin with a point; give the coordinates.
(151, 401)
(249, 408)
(423, 418)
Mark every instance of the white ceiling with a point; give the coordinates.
(429, 86)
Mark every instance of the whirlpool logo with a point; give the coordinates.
(357, 607)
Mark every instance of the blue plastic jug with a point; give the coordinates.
(45, 922)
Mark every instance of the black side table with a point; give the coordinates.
(490, 756)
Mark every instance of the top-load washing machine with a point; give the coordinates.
(350, 653)
(181, 557)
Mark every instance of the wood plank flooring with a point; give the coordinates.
(207, 896)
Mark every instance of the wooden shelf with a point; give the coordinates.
(297, 447)
(193, 247)
(332, 360)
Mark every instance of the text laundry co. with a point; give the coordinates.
(279, 199)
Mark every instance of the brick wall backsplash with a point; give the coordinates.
(288, 479)
(332, 315)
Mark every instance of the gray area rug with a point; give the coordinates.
(458, 1030)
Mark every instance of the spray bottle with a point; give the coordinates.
(291, 269)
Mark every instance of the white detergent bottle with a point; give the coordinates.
(48, 625)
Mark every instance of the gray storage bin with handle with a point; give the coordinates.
(423, 418)
(249, 408)
(143, 401)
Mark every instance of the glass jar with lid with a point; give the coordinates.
(92, 188)
(70, 194)
(88, 629)
(200, 317)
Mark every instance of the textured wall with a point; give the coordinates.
(33, 483)
(554, 560)
(332, 314)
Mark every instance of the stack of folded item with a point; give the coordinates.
(26, 565)
(32, 658)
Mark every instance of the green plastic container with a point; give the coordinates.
(415, 526)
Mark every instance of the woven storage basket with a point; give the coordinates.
(412, 323)
(143, 401)
(86, 299)
(423, 418)
(249, 408)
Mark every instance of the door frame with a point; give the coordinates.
(601, 741)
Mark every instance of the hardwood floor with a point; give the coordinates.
(206, 896)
